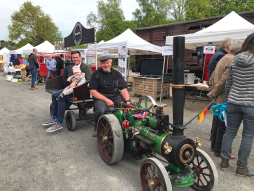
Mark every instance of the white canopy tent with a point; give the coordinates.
(46, 47)
(4, 51)
(135, 45)
(230, 26)
(20, 50)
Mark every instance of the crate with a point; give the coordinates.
(142, 86)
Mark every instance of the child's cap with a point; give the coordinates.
(76, 69)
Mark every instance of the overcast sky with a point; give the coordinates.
(64, 13)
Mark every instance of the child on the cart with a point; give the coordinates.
(76, 80)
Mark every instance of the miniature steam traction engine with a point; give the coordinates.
(144, 130)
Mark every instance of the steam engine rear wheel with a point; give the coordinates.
(110, 138)
(154, 176)
(205, 169)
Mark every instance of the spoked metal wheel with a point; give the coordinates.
(70, 121)
(154, 176)
(110, 139)
(146, 102)
(204, 167)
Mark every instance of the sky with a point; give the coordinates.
(64, 13)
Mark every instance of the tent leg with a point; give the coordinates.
(95, 48)
(162, 80)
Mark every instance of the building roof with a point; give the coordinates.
(193, 21)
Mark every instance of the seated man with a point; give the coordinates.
(51, 65)
(108, 88)
(59, 103)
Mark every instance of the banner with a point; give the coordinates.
(199, 51)
(6, 58)
(79, 35)
(167, 50)
(209, 49)
(122, 60)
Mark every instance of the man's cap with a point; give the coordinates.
(104, 58)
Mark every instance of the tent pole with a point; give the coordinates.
(203, 68)
(128, 66)
(162, 79)
(167, 66)
(64, 54)
(95, 48)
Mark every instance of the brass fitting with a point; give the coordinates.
(197, 142)
(167, 148)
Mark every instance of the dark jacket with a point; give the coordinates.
(214, 60)
(33, 61)
(16, 62)
(59, 67)
(68, 72)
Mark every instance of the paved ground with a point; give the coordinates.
(31, 159)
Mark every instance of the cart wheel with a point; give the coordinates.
(50, 109)
(110, 139)
(70, 121)
(204, 167)
(146, 102)
(154, 176)
(82, 114)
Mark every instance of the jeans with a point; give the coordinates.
(218, 130)
(235, 115)
(101, 106)
(34, 76)
(59, 106)
(49, 73)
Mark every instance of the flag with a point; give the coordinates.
(202, 115)
(199, 51)
(141, 115)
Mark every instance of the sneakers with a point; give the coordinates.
(242, 170)
(52, 121)
(56, 127)
(94, 134)
(224, 164)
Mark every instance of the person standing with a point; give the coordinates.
(51, 65)
(224, 49)
(217, 91)
(33, 66)
(59, 103)
(59, 65)
(239, 96)
(16, 61)
(108, 88)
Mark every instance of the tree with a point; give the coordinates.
(223, 7)
(197, 9)
(8, 44)
(106, 11)
(151, 12)
(31, 25)
(177, 10)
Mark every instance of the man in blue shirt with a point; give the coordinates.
(51, 65)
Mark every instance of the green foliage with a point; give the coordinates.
(223, 7)
(197, 9)
(8, 44)
(31, 25)
(177, 10)
(151, 13)
(106, 12)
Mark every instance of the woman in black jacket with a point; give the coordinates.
(59, 65)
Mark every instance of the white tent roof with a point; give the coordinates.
(46, 46)
(4, 50)
(135, 45)
(19, 51)
(230, 26)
